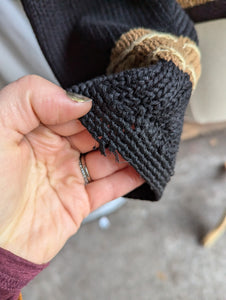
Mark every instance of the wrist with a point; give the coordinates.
(16, 272)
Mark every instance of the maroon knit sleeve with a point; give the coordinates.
(15, 273)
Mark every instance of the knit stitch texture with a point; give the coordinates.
(143, 125)
(138, 112)
(77, 37)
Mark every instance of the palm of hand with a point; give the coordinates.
(43, 195)
(52, 197)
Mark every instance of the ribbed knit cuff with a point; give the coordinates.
(139, 113)
(15, 273)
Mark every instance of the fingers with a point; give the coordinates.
(31, 100)
(109, 188)
(67, 129)
(83, 142)
(100, 166)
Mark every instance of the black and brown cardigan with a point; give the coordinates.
(139, 61)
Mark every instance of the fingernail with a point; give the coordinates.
(78, 98)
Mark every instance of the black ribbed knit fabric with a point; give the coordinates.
(143, 125)
(138, 112)
(77, 36)
(208, 11)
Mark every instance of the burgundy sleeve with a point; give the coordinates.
(15, 273)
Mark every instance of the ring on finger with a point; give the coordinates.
(84, 169)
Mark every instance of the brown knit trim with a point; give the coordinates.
(141, 47)
(191, 3)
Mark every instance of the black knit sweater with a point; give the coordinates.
(138, 111)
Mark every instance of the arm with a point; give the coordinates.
(15, 273)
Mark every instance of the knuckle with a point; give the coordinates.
(29, 79)
(27, 84)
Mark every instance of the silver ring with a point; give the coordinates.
(84, 169)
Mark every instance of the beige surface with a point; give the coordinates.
(192, 130)
(208, 103)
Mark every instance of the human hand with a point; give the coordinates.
(43, 195)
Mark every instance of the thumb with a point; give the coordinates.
(32, 100)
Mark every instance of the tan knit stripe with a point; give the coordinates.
(117, 55)
(139, 39)
(148, 48)
(191, 3)
(126, 40)
(179, 61)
